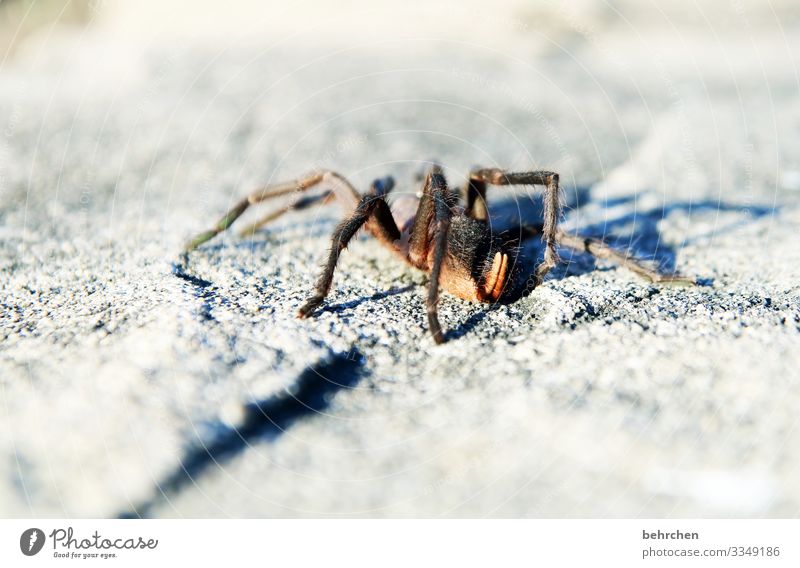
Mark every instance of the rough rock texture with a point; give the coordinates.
(597, 394)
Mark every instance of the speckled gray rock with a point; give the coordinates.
(596, 395)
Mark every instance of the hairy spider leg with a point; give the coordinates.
(341, 185)
(476, 205)
(303, 202)
(441, 227)
(372, 207)
(429, 234)
(379, 187)
(599, 249)
(474, 196)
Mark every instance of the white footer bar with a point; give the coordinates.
(401, 543)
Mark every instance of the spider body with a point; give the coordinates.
(475, 265)
(437, 231)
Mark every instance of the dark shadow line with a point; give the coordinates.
(266, 420)
(656, 214)
(468, 325)
(204, 290)
(358, 301)
(179, 271)
(644, 241)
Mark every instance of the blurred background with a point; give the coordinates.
(692, 78)
(126, 126)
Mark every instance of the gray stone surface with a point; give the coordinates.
(596, 395)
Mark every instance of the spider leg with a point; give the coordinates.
(552, 205)
(427, 167)
(379, 187)
(427, 245)
(474, 195)
(599, 249)
(342, 186)
(372, 208)
(441, 227)
(297, 205)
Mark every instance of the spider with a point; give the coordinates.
(433, 232)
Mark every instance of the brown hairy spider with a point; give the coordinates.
(432, 232)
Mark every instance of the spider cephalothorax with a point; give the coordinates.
(435, 231)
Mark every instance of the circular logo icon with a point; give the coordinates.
(31, 541)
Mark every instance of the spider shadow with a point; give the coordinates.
(203, 290)
(469, 324)
(343, 306)
(262, 421)
(636, 232)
